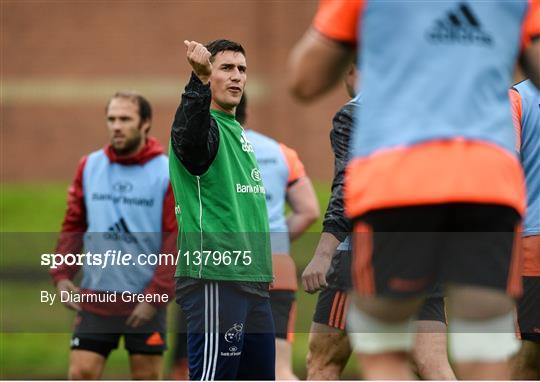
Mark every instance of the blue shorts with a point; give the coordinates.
(230, 333)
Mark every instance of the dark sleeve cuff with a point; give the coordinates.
(335, 229)
(196, 85)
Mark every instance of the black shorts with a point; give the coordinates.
(332, 305)
(284, 313)
(434, 306)
(100, 334)
(339, 275)
(331, 308)
(403, 252)
(528, 309)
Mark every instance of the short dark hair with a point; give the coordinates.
(145, 110)
(241, 110)
(216, 46)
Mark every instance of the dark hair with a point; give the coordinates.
(241, 110)
(145, 110)
(216, 46)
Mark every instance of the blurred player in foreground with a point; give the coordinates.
(120, 200)
(329, 347)
(525, 99)
(285, 181)
(225, 266)
(434, 188)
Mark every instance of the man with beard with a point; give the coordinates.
(120, 200)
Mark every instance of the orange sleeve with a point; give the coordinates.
(515, 102)
(530, 28)
(296, 167)
(339, 19)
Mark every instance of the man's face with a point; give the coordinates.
(227, 80)
(126, 131)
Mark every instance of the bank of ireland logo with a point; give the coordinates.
(234, 333)
(246, 146)
(256, 175)
(177, 209)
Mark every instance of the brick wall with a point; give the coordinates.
(62, 60)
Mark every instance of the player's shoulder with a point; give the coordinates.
(256, 137)
(526, 87)
(343, 119)
(94, 155)
(159, 166)
(162, 159)
(348, 110)
(527, 92)
(92, 161)
(520, 86)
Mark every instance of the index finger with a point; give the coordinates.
(190, 45)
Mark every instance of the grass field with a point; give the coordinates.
(34, 342)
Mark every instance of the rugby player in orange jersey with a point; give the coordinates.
(330, 272)
(436, 158)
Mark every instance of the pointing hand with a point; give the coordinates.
(199, 59)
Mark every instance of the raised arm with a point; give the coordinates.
(195, 135)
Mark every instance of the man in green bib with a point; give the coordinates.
(224, 259)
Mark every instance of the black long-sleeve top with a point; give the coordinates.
(195, 134)
(195, 142)
(335, 221)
